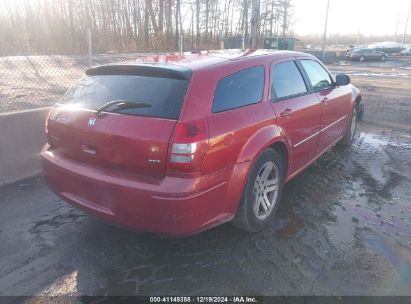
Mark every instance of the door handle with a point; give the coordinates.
(325, 101)
(287, 112)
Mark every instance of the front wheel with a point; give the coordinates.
(362, 58)
(262, 192)
(384, 58)
(351, 129)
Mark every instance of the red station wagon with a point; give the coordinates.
(177, 144)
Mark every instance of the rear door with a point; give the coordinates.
(334, 102)
(372, 54)
(298, 111)
(368, 54)
(132, 139)
(375, 54)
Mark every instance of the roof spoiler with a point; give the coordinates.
(147, 70)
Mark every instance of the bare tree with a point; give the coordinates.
(198, 34)
(255, 23)
(133, 25)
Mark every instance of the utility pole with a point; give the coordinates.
(89, 37)
(198, 34)
(244, 24)
(90, 48)
(325, 28)
(177, 13)
(180, 38)
(286, 4)
(396, 26)
(255, 23)
(277, 30)
(406, 25)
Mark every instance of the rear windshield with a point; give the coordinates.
(164, 95)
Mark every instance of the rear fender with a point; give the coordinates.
(256, 144)
(260, 141)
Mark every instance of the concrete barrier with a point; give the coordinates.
(21, 139)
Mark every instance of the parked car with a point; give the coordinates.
(178, 144)
(388, 47)
(363, 54)
(406, 51)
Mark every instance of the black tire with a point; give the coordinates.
(350, 133)
(362, 58)
(246, 218)
(384, 58)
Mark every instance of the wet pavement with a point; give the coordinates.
(343, 228)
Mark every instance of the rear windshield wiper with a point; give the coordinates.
(121, 105)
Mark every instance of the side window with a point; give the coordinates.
(318, 76)
(286, 80)
(239, 89)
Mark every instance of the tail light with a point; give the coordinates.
(46, 124)
(188, 146)
(51, 115)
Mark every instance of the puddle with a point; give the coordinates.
(378, 141)
(373, 139)
(371, 157)
(342, 231)
(399, 271)
(391, 219)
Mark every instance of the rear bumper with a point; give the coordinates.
(173, 205)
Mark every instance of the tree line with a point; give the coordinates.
(61, 26)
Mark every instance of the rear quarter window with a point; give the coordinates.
(164, 95)
(239, 89)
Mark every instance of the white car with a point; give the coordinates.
(406, 51)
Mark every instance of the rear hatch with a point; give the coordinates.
(132, 139)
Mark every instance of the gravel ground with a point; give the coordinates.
(343, 227)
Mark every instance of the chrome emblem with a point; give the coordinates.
(154, 161)
(91, 122)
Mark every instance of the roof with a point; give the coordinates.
(197, 61)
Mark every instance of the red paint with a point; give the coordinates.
(120, 169)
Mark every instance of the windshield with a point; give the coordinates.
(164, 95)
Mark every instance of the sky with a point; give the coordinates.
(369, 17)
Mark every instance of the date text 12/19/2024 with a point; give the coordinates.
(237, 299)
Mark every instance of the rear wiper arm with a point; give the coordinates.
(121, 105)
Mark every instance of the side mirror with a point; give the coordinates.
(342, 80)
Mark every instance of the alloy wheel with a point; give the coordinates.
(266, 189)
